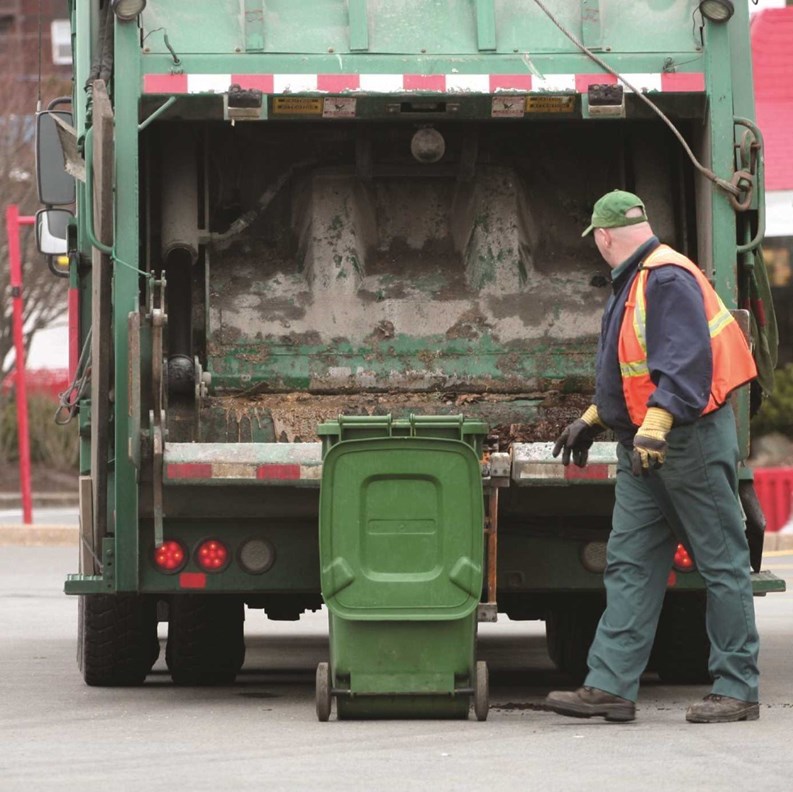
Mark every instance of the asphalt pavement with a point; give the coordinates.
(262, 733)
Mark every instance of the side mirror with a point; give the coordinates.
(56, 186)
(51, 230)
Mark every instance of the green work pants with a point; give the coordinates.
(692, 498)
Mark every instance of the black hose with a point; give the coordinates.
(108, 51)
(102, 64)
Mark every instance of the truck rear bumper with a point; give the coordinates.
(762, 583)
(276, 464)
(300, 464)
(190, 467)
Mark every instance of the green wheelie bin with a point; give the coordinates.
(401, 554)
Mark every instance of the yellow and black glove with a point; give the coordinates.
(649, 444)
(577, 438)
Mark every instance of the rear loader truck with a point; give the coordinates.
(278, 213)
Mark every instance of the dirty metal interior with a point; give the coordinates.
(318, 269)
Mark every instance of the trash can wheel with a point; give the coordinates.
(323, 695)
(481, 691)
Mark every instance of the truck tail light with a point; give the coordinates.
(212, 555)
(170, 556)
(683, 561)
(256, 556)
(593, 556)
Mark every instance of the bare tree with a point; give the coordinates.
(44, 294)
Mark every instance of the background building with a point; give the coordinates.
(20, 27)
(21, 59)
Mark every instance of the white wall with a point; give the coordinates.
(50, 348)
(761, 4)
(779, 213)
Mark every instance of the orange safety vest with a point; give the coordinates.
(733, 364)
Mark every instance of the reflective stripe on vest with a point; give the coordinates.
(733, 364)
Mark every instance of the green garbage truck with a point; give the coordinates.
(279, 212)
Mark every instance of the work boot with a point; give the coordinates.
(722, 709)
(587, 702)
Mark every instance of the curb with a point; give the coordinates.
(39, 535)
(40, 500)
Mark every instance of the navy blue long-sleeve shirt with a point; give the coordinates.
(678, 345)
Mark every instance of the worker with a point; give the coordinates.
(668, 358)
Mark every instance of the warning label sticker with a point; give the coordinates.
(339, 107)
(296, 105)
(550, 104)
(508, 107)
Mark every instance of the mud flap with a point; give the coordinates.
(755, 522)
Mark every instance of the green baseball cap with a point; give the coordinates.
(610, 210)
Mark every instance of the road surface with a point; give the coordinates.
(262, 733)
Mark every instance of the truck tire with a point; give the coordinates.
(206, 643)
(681, 650)
(117, 641)
(569, 630)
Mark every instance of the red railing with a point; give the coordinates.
(774, 487)
(14, 221)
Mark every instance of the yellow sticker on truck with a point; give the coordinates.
(297, 105)
(537, 103)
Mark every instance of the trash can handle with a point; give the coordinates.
(434, 420)
(370, 421)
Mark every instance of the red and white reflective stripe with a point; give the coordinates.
(231, 471)
(554, 83)
(673, 82)
(556, 472)
(164, 83)
(278, 472)
(510, 83)
(682, 82)
(534, 463)
(243, 463)
(590, 472)
(188, 470)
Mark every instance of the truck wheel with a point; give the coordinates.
(322, 692)
(569, 630)
(117, 641)
(681, 650)
(206, 643)
(481, 691)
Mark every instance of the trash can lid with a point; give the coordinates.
(401, 529)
